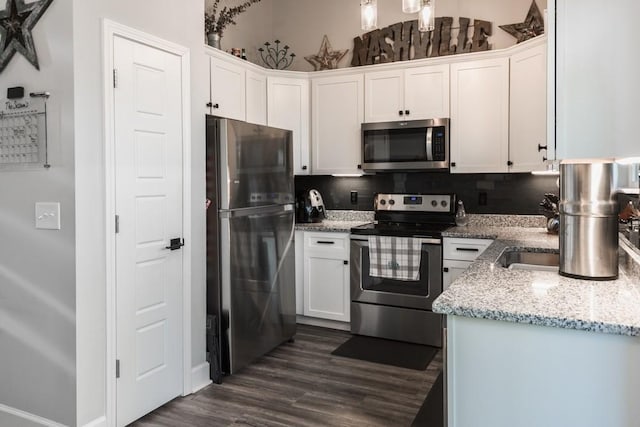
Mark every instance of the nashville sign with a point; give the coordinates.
(403, 41)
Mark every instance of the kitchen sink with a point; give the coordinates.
(529, 259)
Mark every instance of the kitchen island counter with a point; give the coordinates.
(533, 348)
(488, 291)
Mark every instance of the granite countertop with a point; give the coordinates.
(338, 221)
(488, 291)
(328, 225)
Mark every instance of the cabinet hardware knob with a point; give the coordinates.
(401, 112)
(346, 262)
(407, 112)
(446, 269)
(509, 163)
(304, 168)
(544, 158)
(453, 164)
(216, 106)
(209, 104)
(359, 166)
(542, 147)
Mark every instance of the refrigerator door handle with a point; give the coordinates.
(255, 211)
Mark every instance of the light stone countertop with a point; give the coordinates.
(488, 291)
(328, 225)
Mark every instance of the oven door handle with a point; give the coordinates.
(423, 240)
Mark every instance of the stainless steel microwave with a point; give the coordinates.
(406, 146)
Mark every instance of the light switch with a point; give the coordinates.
(48, 216)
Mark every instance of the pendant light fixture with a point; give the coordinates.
(411, 6)
(426, 16)
(369, 14)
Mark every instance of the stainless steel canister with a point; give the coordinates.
(588, 220)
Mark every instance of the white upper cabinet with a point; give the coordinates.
(256, 86)
(528, 110)
(227, 89)
(410, 94)
(337, 112)
(597, 83)
(288, 108)
(384, 96)
(426, 92)
(480, 116)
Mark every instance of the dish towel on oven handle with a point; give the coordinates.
(394, 257)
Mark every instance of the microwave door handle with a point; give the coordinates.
(429, 144)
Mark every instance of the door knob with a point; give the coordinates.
(175, 244)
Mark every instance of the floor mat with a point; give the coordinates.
(387, 352)
(431, 413)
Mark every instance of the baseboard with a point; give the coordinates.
(26, 416)
(98, 422)
(323, 323)
(200, 377)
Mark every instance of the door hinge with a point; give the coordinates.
(115, 78)
(117, 368)
(117, 224)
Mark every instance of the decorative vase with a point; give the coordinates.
(214, 40)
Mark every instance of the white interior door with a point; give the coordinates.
(148, 146)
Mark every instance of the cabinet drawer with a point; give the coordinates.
(332, 242)
(464, 249)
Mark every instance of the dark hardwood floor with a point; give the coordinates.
(302, 384)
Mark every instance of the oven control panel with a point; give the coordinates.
(440, 203)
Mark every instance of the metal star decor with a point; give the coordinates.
(326, 58)
(532, 26)
(16, 22)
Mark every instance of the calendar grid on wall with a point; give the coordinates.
(23, 133)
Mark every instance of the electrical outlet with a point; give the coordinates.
(482, 198)
(354, 197)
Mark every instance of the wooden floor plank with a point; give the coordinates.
(303, 384)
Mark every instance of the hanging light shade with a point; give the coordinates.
(426, 16)
(369, 14)
(411, 6)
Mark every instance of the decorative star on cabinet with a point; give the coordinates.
(17, 19)
(326, 58)
(532, 26)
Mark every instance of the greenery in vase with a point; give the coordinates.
(215, 22)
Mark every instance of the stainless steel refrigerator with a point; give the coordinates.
(250, 246)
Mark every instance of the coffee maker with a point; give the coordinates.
(310, 207)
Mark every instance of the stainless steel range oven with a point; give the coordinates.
(401, 309)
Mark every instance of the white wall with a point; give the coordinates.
(180, 22)
(302, 23)
(37, 280)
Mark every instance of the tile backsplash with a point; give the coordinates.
(516, 193)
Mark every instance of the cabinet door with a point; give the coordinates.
(337, 113)
(384, 100)
(597, 84)
(451, 270)
(288, 108)
(528, 109)
(480, 116)
(426, 92)
(326, 276)
(256, 98)
(227, 89)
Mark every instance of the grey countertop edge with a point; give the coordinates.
(466, 298)
(539, 320)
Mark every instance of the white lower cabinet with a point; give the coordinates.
(326, 276)
(458, 255)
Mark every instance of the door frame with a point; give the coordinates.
(110, 30)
